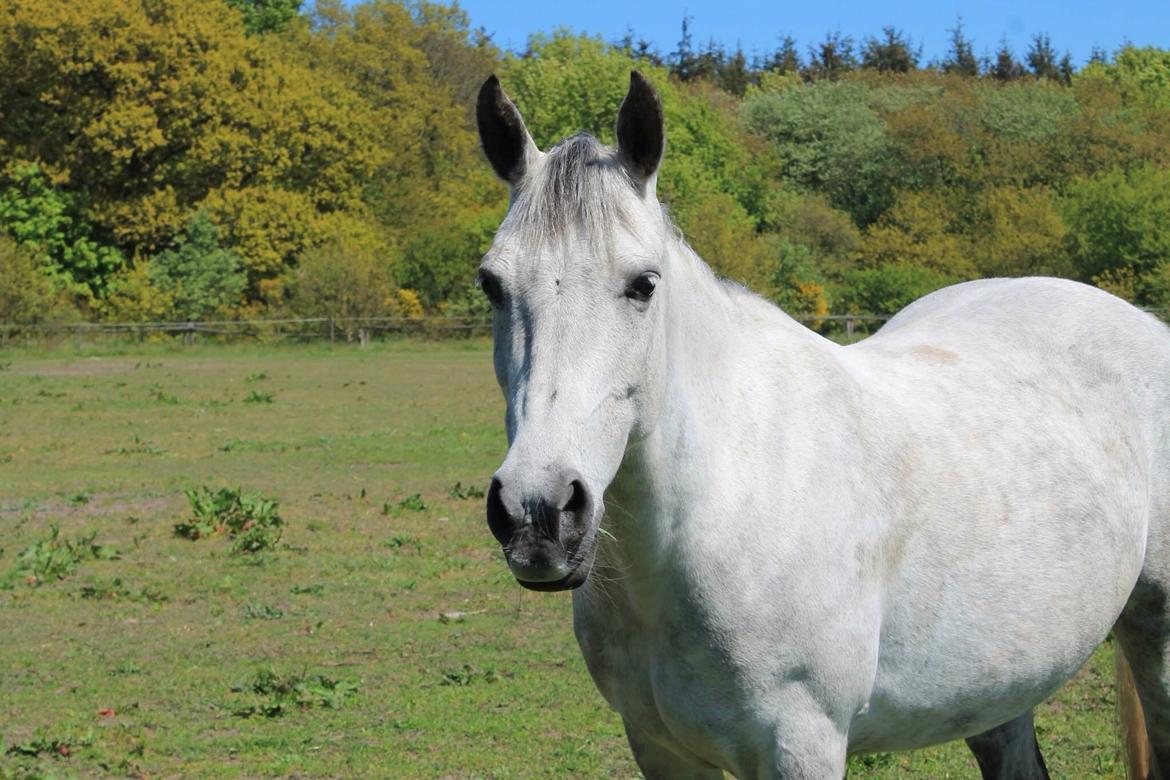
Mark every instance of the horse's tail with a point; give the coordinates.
(1133, 720)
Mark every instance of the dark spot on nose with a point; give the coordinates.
(552, 396)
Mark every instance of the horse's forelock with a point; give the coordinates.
(580, 189)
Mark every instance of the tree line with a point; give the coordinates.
(194, 159)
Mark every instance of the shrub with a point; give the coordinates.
(344, 280)
(134, 296)
(274, 694)
(27, 294)
(796, 285)
(55, 558)
(251, 521)
(889, 288)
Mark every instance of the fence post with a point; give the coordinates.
(849, 326)
(331, 331)
(364, 337)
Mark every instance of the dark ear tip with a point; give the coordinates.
(641, 88)
(490, 87)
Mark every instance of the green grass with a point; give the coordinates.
(383, 637)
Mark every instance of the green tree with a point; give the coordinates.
(203, 278)
(828, 138)
(52, 222)
(1140, 74)
(684, 60)
(429, 168)
(264, 16)
(440, 263)
(1118, 222)
(733, 76)
(1019, 232)
(919, 231)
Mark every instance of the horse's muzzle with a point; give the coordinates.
(548, 542)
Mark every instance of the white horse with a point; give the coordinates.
(785, 550)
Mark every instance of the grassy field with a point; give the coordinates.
(381, 637)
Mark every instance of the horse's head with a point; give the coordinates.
(576, 279)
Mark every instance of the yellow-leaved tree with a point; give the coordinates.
(155, 109)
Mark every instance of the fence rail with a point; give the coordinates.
(333, 329)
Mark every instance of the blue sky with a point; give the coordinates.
(1074, 25)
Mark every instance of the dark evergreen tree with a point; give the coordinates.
(892, 53)
(644, 50)
(785, 59)
(683, 59)
(832, 57)
(1005, 66)
(734, 74)
(1041, 58)
(960, 58)
(626, 43)
(708, 62)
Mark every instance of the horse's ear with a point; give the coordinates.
(506, 141)
(641, 130)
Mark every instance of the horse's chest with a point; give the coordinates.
(668, 685)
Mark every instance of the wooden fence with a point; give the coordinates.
(357, 331)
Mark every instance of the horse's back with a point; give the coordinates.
(1057, 309)
(1016, 335)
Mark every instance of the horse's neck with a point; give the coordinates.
(719, 339)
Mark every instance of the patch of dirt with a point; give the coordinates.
(94, 366)
(99, 504)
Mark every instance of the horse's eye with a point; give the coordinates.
(643, 287)
(491, 287)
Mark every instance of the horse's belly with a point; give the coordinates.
(996, 634)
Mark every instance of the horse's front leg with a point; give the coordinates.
(658, 762)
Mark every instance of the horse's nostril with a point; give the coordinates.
(499, 522)
(577, 497)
